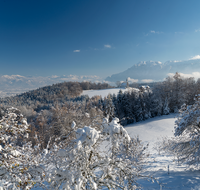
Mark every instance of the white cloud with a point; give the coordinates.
(178, 32)
(12, 77)
(198, 30)
(54, 76)
(170, 75)
(107, 46)
(147, 80)
(77, 50)
(92, 78)
(132, 80)
(196, 75)
(155, 32)
(195, 57)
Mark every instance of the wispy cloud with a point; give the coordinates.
(196, 75)
(54, 76)
(77, 50)
(156, 32)
(198, 30)
(195, 57)
(178, 32)
(147, 80)
(107, 46)
(79, 78)
(153, 32)
(132, 80)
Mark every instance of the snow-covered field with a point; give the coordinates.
(179, 178)
(103, 93)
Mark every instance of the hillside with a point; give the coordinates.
(52, 94)
(11, 85)
(152, 131)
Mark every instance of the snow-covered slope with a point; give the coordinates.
(103, 93)
(151, 131)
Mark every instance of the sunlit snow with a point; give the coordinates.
(152, 131)
(103, 93)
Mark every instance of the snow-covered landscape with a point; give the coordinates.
(99, 95)
(163, 166)
(169, 174)
(161, 170)
(179, 177)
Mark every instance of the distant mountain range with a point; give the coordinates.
(156, 71)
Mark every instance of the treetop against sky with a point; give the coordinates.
(100, 37)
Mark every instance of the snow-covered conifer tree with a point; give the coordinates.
(177, 91)
(128, 108)
(138, 108)
(120, 107)
(109, 108)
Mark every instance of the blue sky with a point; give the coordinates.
(94, 37)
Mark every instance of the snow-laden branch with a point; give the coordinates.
(186, 143)
(19, 162)
(97, 159)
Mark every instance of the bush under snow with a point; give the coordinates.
(97, 159)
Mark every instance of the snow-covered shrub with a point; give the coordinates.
(108, 158)
(18, 161)
(186, 143)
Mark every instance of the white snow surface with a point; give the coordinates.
(153, 129)
(180, 177)
(103, 93)
(86, 135)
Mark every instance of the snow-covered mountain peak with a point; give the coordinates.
(148, 63)
(156, 70)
